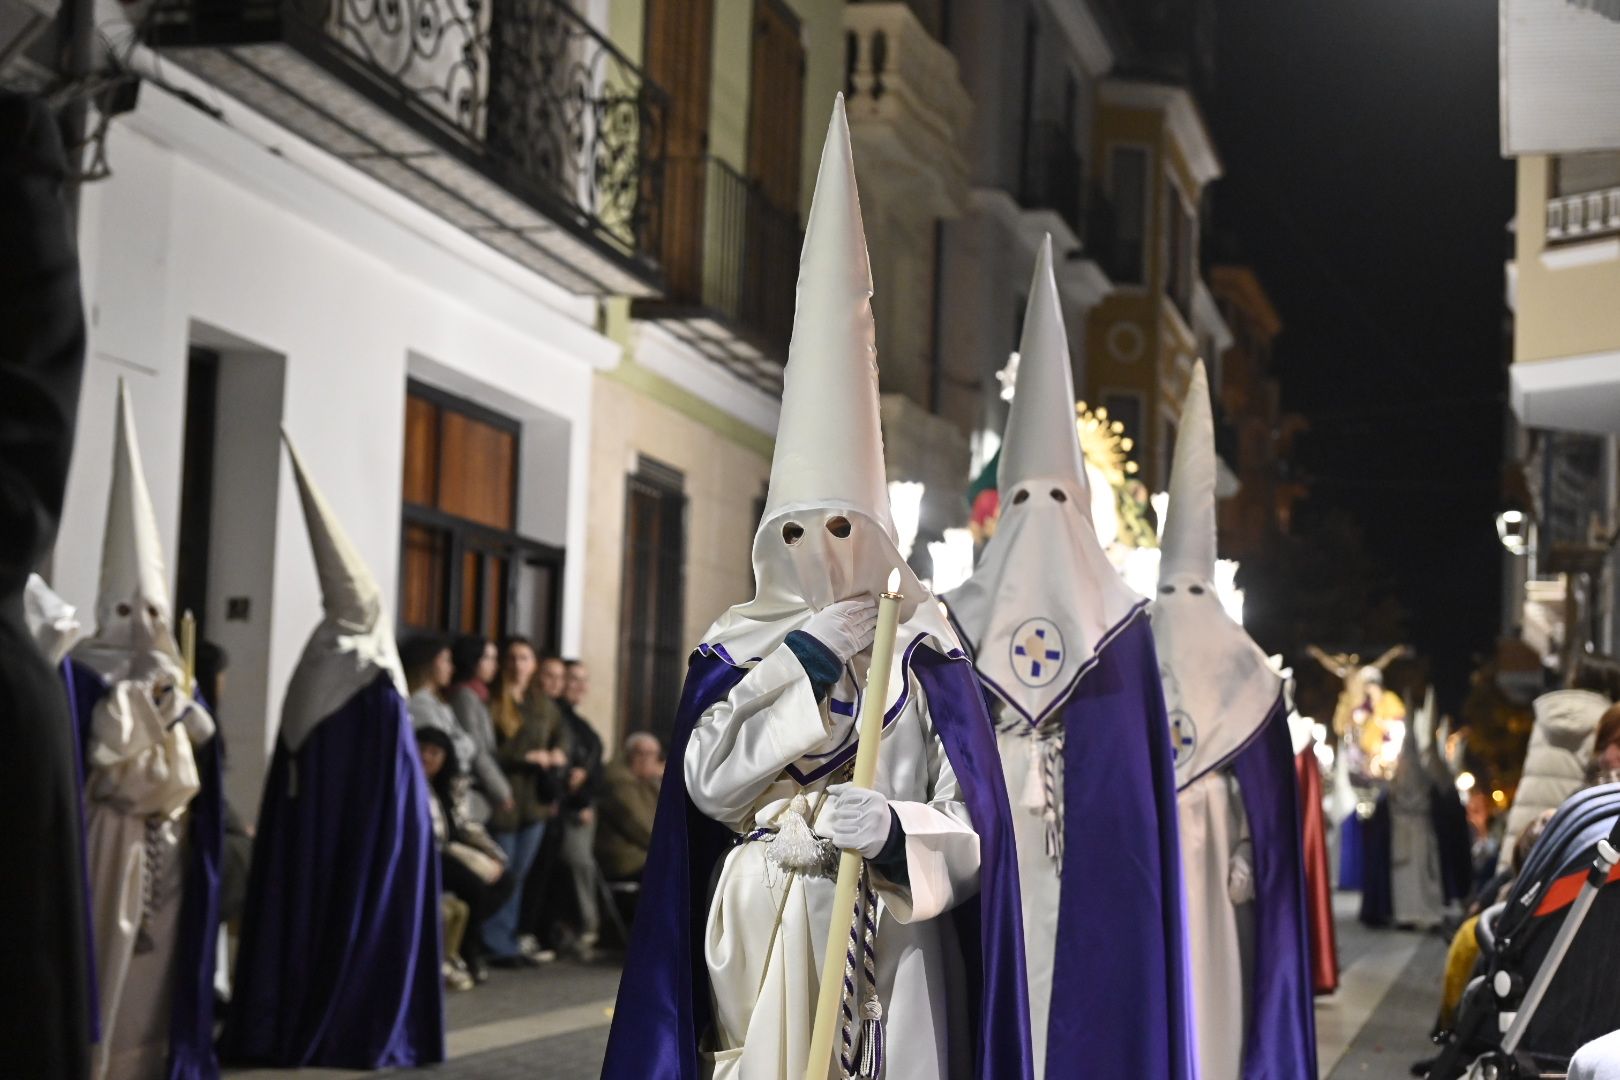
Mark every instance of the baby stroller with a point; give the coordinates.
(1549, 953)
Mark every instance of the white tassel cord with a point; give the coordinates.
(1043, 782)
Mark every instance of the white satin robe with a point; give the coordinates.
(767, 930)
(142, 770)
(1217, 865)
(1038, 878)
(1417, 891)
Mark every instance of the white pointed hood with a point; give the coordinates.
(828, 463)
(354, 642)
(1218, 687)
(1044, 599)
(133, 617)
(53, 622)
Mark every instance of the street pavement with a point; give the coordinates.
(553, 1022)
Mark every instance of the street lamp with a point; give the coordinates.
(1513, 528)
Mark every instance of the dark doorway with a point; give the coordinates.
(197, 487)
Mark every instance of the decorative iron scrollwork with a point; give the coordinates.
(554, 109)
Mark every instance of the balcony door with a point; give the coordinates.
(679, 38)
(463, 566)
(775, 165)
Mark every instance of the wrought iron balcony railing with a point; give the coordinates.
(514, 119)
(731, 264)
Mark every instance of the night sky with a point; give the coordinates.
(1364, 182)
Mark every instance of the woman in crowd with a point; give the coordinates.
(1605, 766)
(476, 662)
(473, 867)
(528, 729)
(426, 661)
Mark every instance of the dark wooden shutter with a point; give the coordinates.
(776, 105)
(679, 37)
(653, 604)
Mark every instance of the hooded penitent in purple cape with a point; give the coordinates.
(725, 961)
(1238, 798)
(339, 959)
(154, 822)
(1066, 657)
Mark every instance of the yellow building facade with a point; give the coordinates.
(1152, 158)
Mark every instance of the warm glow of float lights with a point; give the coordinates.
(953, 559)
(905, 503)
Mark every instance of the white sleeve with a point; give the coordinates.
(742, 743)
(1240, 884)
(942, 848)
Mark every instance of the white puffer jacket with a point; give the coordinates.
(1555, 766)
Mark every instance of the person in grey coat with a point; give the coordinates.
(476, 662)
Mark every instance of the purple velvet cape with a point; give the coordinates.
(664, 1008)
(80, 681)
(338, 965)
(1121, 999)
(1279, 1042)
(191, 1011)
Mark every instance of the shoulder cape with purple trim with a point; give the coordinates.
(664, 1009)
(191, 1015)
(1062, 698)
(1280, 1035)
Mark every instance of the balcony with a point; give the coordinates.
(513, 119)
(908, 111)
(731, 267)
(1583, 216)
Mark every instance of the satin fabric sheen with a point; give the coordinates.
(1280, 1038)
(1121, 1003)
(191, 1010)
(340, 949)
(1318, 885)
(663, 1007)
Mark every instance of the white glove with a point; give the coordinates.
(858, 820)
(845, 628)
(1240, 876)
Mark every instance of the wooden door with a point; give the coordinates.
(776, 105)
(679, 36)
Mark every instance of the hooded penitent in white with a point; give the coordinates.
(1219, 692)
(1218, 687)
(760, 758)
(827, 533)
(1044, 599)
(134, 625)
(142, 776)
(354, 642)
(1417, 888)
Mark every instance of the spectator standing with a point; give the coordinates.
(628, 803)
(477, 662)
(528, 732)
(578, 811)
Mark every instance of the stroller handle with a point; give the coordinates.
(1608, 853)
(1485, 929)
